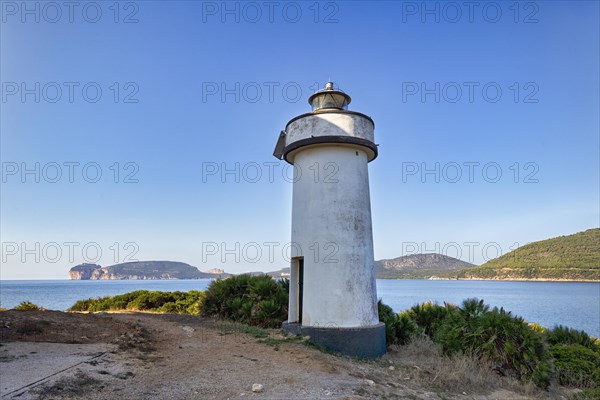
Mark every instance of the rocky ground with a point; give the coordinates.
(55, 355)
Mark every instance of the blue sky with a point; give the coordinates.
(500, 88)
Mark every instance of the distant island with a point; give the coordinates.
(419, 266)
(143, 270)
(565, 258)
(415, 266)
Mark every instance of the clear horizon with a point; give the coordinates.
(146, 131)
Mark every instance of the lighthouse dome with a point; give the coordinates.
(329, 97)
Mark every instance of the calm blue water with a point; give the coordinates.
(62, 294)
(573, 304)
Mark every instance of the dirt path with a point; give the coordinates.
(151, 356)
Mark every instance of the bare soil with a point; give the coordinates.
(56, 355)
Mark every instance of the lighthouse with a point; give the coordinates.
(333, 296)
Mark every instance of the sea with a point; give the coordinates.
(572, 304)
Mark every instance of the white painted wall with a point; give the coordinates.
(329, 124)
(331, 224)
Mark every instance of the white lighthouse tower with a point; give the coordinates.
(333, 297)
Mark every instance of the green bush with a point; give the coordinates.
(144, 300)
(512, 346)
(498, 337)
(430, 316)
(390, 319)
(406, 328)
(253, 300)
(28, 306)
(576, 365)
(220, 295)
(563, 335)
(82, 305)
(399, 328)
(268, 314)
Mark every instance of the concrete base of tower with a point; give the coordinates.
(361, 342)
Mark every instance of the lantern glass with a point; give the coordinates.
(330, 100)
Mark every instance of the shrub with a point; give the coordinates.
(576, 365)
(407, 328)
(563, 335)
(81, 305)
(170, 308)
(497, 337)
(28, 306)
(147, 300)
(192, 302)
(390, 319)
(505, 342)
(430, 316)
(268, 314)
(144, 300)
(253, 300)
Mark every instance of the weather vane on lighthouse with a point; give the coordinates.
(333, 297)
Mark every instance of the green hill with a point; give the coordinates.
(143, 270)
(572, 257)
(418, 266)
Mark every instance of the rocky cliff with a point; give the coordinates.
(143, 270)
(84, 271)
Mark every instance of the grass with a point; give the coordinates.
(425, 363)
(231, 328)
(587, 394)
(276, 342)
(270, 337)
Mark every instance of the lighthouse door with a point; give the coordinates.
(300, 287)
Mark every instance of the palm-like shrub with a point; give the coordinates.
(507, 342)
(496, 336)
(215, 297)
(268, 314)
(563, 335)
(390, 319)
(576, 365)
(254, 300)
(430, 316)
(284, 284)
(263, 287)
(406, 328)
